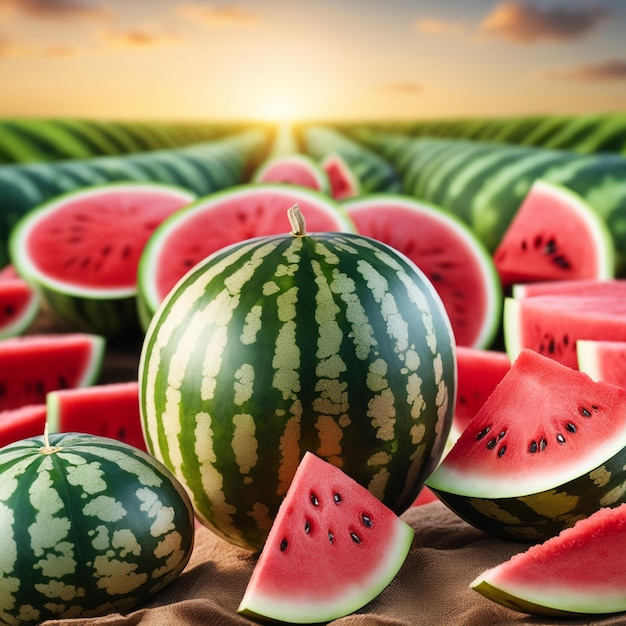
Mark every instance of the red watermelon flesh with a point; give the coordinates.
(479, 372)
(94, 237)
(446, 251)
(33, 365)
(554, 235)
(294, 169)
(333, 547)
(110, 410)
(343, 183)
(581, 287)
(19, 305)
(551, 325)
(21, 423)
(580, 571)
(603, 360)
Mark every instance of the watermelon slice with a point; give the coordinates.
(81, 251)
(110, 410)
(547, 448)
(33, 365)
(581, 571)
(224, 218)
(575, 287)
(294, 169)
(19, 306)
(333, 547)
(551, 325)
(603, 360)
(555, 235)
(22, 423)
(456, 263)
(343, 183)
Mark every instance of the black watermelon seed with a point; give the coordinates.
(492, 443)
(307, 527)
(331, 537)
(560, 438)
(542, 444)
(501, 452)
(337, 498)
(355, 537)
(571, 427)
(585, 412)
(502, 433)
(532, 448)
(483, 432)
(367, 521)
(314, 500)
(283, 544)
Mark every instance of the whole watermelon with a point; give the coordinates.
(332, 343)
(90, 526)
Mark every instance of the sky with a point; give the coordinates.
(337, 60)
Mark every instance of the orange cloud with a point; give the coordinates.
(225, 15)
(526, 23)
(433, 26)
(609, 70)
(136, 38)
(51, 9)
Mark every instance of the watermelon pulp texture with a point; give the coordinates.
(546, 449)
(554, 235)
(455, 262)
(21, 423)
(328, 342)
(33, 365)
(580, 571)
(222, 219)
(333, 547)
(603, 360)
(91, 527)
(551, 325)
(92, 239)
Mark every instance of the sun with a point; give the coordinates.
(278, 108)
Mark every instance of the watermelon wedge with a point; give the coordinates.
(603, 360)
(456, 263)
(581, 571)
(546, 449)
(333, 547)
(343, 182)
(110, 410)
(81, 251)
(555, 235)
(33, 365)
(224, 218)
(294, 169)
(19, 306)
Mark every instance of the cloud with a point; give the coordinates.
(136, 38)
(51, 9)
(526, 23)
(609, 70)
(434, 26)
(401, 88)
(225, 15)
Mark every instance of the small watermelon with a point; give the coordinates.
(333, 548)
(90, 526)
(33, 365)
(581, 571)
(221, 219)
(603, 360)
(343, 183)
(294, 169)
(555, 235)
(81, 251)
(456, 263)
(546, 449)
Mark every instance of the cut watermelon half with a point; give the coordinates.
(81, 251)
(603, 360)
(551, 325)
(581, 571)
(453, 259)
(343, 182)
(546, 449)
(293, 169)
(110, 410)
(555, 235)
(33, 365)
(333, 547)
(22, 423)
(221, 219)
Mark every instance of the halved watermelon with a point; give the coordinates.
(224, 218)
(603, 360)
(33, 365)
(81, 251)
(343, 183)
(109, 410)
(22, 423)
(582, 571)
(555, 235)
(551, 325)
(295, 169)
(546, 449)
(457, 264)
(333, 547)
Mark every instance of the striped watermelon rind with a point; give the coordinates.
(91, 526)
(331, 342)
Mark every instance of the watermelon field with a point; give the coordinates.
(436, 307)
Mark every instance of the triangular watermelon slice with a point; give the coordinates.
(333, 548)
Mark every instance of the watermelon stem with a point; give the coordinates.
(47, 448)
(296, 219)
